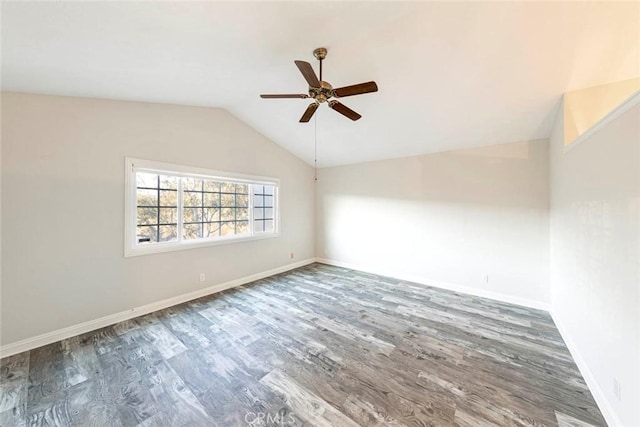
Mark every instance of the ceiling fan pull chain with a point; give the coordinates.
(315, 147)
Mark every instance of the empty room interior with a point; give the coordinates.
(320, 213)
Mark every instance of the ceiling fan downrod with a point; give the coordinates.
(320, 53)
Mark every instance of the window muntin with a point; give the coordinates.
(172, 207)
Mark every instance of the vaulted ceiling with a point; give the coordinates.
(451, 75)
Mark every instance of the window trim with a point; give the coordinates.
(132, 165)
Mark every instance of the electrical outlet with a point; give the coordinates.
(486, 278)
(202, 277)
(291, 255)
(617, 390)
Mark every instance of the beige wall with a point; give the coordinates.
(63, 206)
(451, 217)
(595, 258)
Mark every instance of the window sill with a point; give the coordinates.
(180, 246)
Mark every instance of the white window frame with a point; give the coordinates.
(131, 245)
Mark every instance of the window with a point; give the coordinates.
(156, 207)
(214, 208)
(172, 207)
(263, 219)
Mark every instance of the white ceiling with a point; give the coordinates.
(451, 75)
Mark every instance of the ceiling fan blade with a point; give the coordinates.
(358, 89)
(309, 75)
(344, 110)
(308, 113)
(285, 95)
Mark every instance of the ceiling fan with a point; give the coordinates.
(322, 91)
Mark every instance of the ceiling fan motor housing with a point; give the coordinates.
(322, 93)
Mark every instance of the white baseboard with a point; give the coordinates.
(510, 299)
(594, 387)
(91, 325)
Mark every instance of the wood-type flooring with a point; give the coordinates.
(315, 346)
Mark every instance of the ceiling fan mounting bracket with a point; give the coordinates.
(320, 53)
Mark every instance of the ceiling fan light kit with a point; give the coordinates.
(321, 91)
